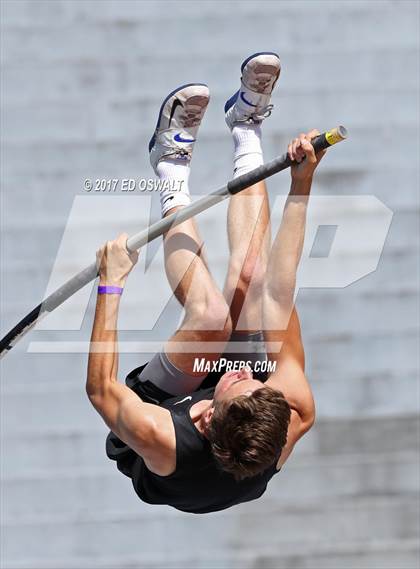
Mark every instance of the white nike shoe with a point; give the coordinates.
(251, 104)
(178, 122)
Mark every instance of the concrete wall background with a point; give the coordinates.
(81, 85)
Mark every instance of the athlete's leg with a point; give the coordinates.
(206, 312)
(249, 237)
(248, 214)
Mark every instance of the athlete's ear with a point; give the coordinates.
(208, 416)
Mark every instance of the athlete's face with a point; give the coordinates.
(235, 383)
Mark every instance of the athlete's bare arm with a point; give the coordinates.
(281, 322)
(290, 379)
(147, 429)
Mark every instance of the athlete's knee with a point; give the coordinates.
(217, 317)
(248, 271)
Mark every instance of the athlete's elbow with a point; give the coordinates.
(310, 423)
(307, 415)
(308, 419)
(97, 389)
(96, 397)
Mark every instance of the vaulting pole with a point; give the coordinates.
(321, 142)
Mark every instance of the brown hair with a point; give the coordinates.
(247, 434)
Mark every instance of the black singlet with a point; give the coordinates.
(198, 485)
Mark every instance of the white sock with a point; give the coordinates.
(174, 192)
(247, 148)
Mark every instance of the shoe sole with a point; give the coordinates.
(248, 59)
(232, 100)
(165, 100)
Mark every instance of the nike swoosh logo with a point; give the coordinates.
(182, 400)
(177, 103)
(178, 138)
(245, 101)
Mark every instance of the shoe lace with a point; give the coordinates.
(263, 113)
(259, 116)
(181, 153)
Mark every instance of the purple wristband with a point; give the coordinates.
(110, 290)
